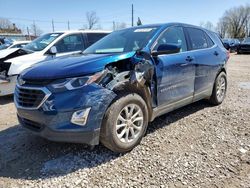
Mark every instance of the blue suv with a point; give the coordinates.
(111, 91)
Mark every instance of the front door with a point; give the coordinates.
(175, 72)
(70, 44)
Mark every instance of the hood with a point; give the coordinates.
(21, 60)
(25, 56)
(73, 66)
(6, 52)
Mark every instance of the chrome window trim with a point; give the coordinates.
(43, 89)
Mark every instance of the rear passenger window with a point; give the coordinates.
(173, 35)
(210, 43)
(198, 39)
(94, 37)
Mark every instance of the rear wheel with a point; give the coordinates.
(125, 123)
(219, 89)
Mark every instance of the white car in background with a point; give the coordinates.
(15, 44)
(14, 60)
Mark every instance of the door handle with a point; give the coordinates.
(216, 53)
(189, 59)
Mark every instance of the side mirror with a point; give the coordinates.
(53, 50)
(167, 49)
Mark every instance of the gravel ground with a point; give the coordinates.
(195, 146)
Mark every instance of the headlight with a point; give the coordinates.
(77, 82)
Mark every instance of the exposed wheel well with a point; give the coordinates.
(144, 92)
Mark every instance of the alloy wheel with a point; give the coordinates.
(129, 123)
(221, 88)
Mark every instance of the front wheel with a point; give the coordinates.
(125, 123)
(219, 89)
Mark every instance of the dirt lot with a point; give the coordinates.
(196, 146)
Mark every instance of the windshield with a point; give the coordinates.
(246, 40)
(126, 40)
(42, 42)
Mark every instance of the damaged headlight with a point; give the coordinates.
(77, 82)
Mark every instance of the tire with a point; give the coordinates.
(219, 89)
(113, 126)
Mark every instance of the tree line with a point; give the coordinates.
(235, 23)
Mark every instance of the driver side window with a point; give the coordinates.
(173, 35)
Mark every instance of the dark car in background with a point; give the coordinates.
(111, 91)
(231, 44)
(244, 46)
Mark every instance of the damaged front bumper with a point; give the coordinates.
(56, 118)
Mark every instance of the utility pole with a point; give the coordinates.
(34, 25)
(28, 32)
(53, 27)
(132, 15)
(247, 32)
(113, 25)
(68, 26)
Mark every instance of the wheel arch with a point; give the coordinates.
(144, 92)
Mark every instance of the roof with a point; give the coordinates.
(164, 25)
(82, 31)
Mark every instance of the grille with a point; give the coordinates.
(38, 82)
(29, 97)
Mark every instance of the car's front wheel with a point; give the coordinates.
(125, 123)
(219, 89)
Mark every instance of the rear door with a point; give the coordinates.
(206, 54)
(175, 72)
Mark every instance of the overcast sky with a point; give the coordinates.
(23, 12)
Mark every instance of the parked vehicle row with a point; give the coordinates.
(244, 47)
(4, 40)
(111, 91)
(234, 45)
(231, 44)
(49, 46)
(15, 44)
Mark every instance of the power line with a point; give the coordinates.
(49, 21)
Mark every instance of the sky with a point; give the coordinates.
(24, 12)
